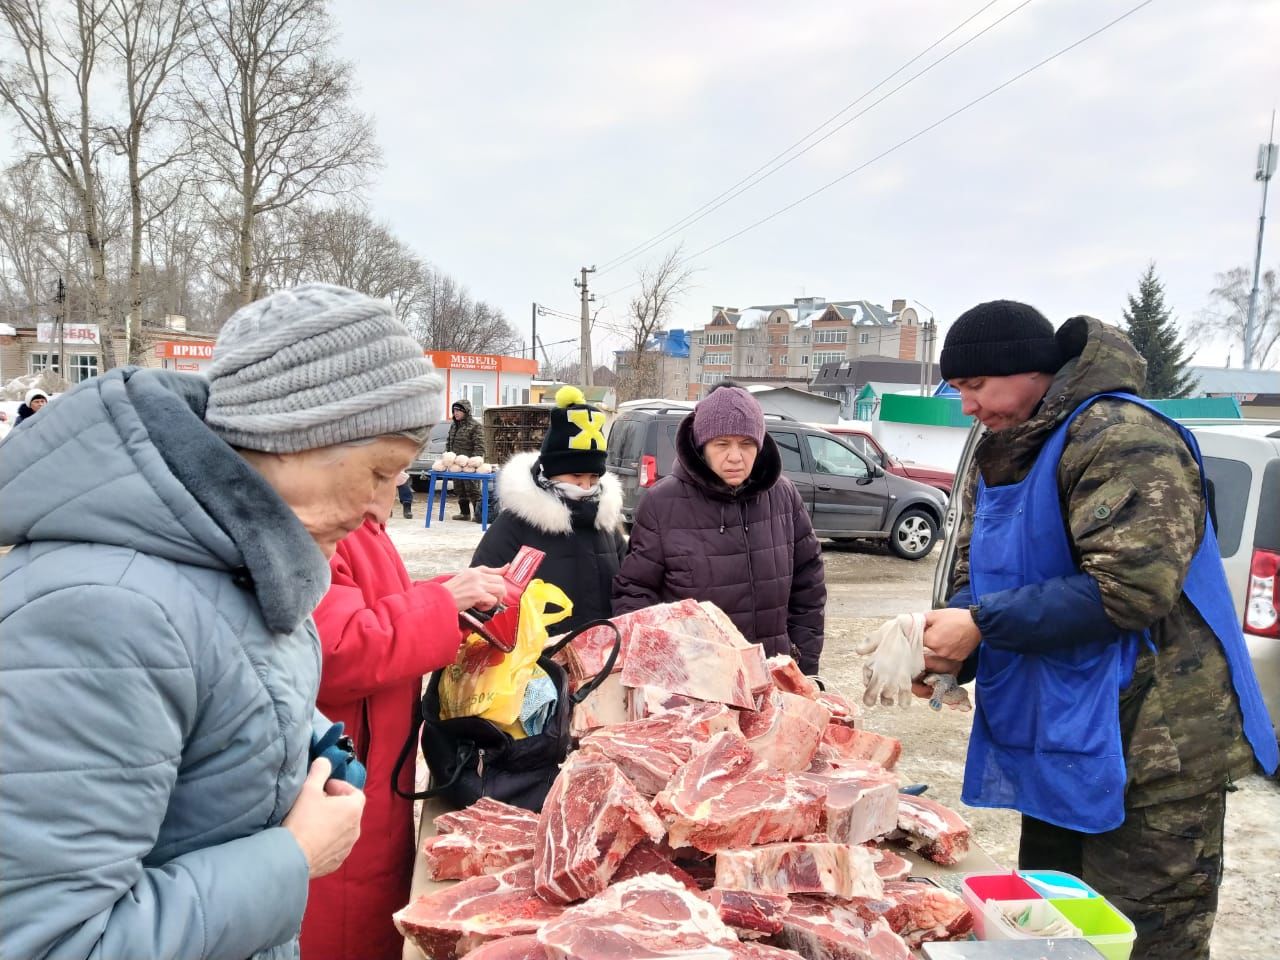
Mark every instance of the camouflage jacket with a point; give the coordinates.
(1132, 500)
(466, 438)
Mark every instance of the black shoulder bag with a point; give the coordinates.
(470, 757)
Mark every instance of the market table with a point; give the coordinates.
(484, 479)
(977, 861)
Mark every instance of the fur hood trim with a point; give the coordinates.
(518, 493)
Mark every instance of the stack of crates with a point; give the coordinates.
(509, 430)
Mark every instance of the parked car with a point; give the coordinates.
(1242, 464)
(432, 452)
(848, 497)
(867, 445)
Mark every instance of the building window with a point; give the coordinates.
(717, 339)
(40, 362)
(785, 338)
(783, 361)
(700, 341)
(864, 338)
(82, 366)
(831, 336)
(804, 360)
(827, 357)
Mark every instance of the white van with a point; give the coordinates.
(1242, 462)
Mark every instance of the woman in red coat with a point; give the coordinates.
(380, 633)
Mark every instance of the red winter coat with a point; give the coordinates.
(380, 633)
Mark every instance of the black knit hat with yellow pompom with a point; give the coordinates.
(575, 440)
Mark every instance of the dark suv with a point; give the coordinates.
(847, 497)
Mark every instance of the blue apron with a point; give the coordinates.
(1046, 730)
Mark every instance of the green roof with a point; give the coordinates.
(934, 411)
(1220, 408)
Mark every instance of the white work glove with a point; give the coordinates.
(896, 656)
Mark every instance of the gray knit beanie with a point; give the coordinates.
(314, 366)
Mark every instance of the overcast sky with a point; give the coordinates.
(522, 141)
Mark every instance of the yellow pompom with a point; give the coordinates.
(569, 397)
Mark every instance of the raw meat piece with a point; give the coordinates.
(932, 830)
(754, 663)
(445, 923)
(591, 820)
(646, 917)
(524, 947)
(826, 930)
(682, 663)
(645, 702)
(856, 769)
(788, 676)
(842, 710)
(761, 951)
(652, 858)
(889, 865)
(589, 652)
(750, 913)
(605, 705)
(850, 743)
(918, 912)
(839, 870)
(785, 729)
(857, 809)
(721, 799)
(650, 751)
(486, 837)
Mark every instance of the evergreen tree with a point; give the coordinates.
(1150, 328)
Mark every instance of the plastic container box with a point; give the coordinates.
(977, 888)
(1041, 915)
(1056, 885)
(1109, 930)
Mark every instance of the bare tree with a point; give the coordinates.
(445, 317)
(150, 39)
(1225, 317)
(661, 288)
(273, 114)
(54, 56)
(25, 242)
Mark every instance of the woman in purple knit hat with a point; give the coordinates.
(727, 527)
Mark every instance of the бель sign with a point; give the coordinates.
(77, 333)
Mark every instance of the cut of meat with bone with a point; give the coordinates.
(443, 924)
(751, 914)
(785, 729)
(524, 947)
(646, 917)
(649, 857)
(838, 870)
(826, 930)
(587, 655)
(761, 951)
(682, 663)
(650, 751)
(933, 830)
(889, 865)
(486, 837)
(788, 676)
(593, 817)
(722, 799)
(605, 705)
(842, 710)
(645, 702)
(920, 912)
(857, 809)
(850, 743)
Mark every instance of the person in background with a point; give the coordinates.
(466, 438)
(561, 501)
(159, 670)
(34, 403)
(380, 632)
(728, 527)
(1116, 701)
(404, 492)
(5, 425)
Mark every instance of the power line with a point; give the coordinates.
(733, 191)
(902, 143)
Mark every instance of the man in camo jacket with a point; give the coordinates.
(1115, 700)
(466, 438)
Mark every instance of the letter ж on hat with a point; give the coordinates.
(575, 440)
(317, 365)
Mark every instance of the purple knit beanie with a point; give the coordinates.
(728, 412)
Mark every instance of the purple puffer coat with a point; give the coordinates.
(752, 552)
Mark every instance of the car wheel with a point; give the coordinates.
(913, 535)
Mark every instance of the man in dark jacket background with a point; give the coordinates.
(466, 438)
(729, 528)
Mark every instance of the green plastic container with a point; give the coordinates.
(1101, 924)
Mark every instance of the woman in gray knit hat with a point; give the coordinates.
(158, 683)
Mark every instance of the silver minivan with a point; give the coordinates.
(1242, 462)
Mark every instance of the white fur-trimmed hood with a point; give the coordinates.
(518, 493)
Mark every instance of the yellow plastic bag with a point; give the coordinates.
(485, 682)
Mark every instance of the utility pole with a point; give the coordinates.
(533, 342)
(1266, 168)
(584, 347)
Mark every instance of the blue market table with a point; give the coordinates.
(484, 479)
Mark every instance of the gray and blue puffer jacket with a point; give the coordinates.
(158, 678)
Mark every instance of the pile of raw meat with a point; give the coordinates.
(719, 805)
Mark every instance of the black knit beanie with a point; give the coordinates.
(575, 440)
(997, 339)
